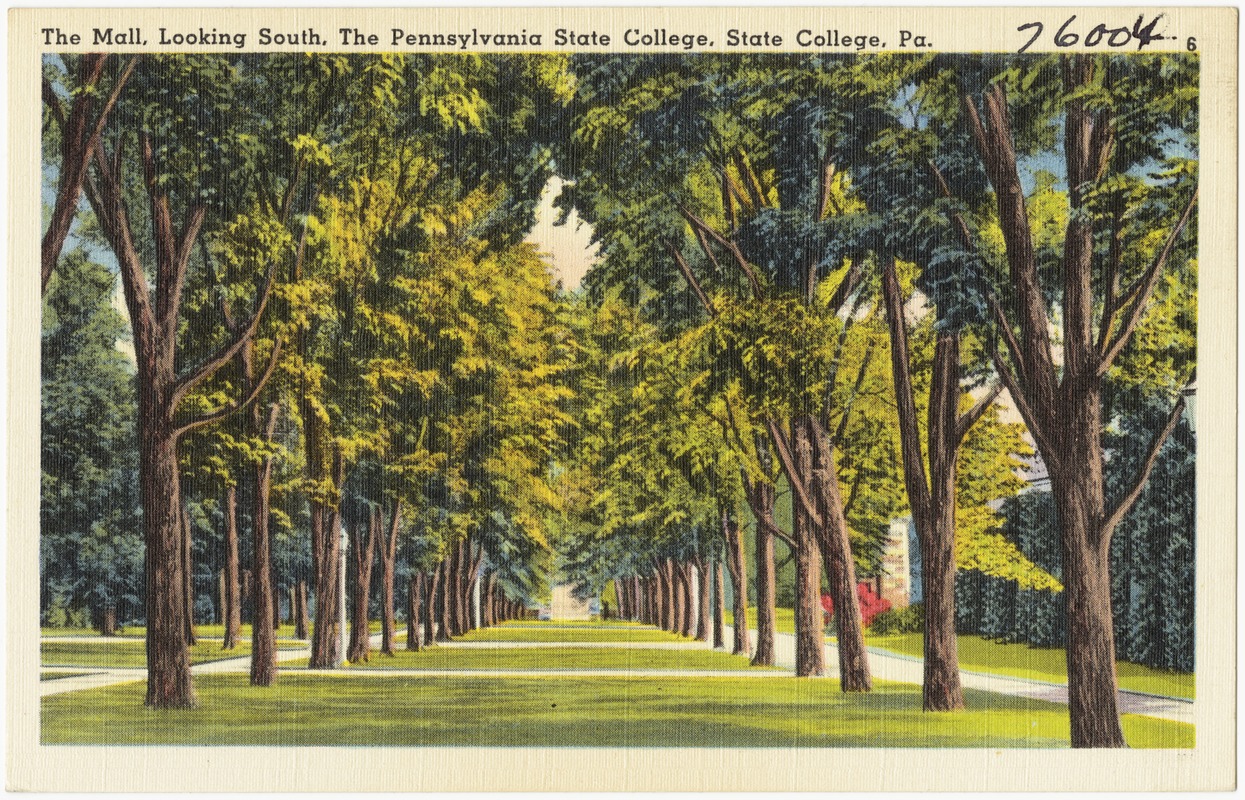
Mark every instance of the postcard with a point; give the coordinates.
(634, 399)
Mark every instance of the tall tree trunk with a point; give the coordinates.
(834, 543)
(364, 555)
(326, 561)
(414, 611)
(688, 620)
(430, 585)
(761, 500)
(933, 504)
(231, 596)
(108, 619)
(443, 600)
(1085, 549)
(702, 621)
(739, 582)
(301, 622)
(188, 577)
(664, 605)
(388, 560)
(719, 606)
(168, 655)
(263, 638)
(488, 610)
(809, 642)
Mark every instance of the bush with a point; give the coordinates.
(900, 620)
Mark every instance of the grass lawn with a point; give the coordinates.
(126, 633)
(128, 653)
(213, 631)
(556, 658)
(784, 619)
(548, 632)
(606, 712)
(52, 676)
(1043, 664)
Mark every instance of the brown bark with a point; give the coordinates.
(687, 621)
(834, 544)
(187, 578)
(932, 502)
(809, 644)
(231, 596)
(761, 500)
(388, 560)
(414, 611)
(263, 637)
(719, 606)
(169, 683)
(326, 558)
(443, 600)
(301, 623)
(494, 589)
(739, 582)
(108, 620)
(665, 596)
(431, 586)
(364, 555)
(702, 620)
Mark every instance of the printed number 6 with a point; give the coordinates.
(1191, 45)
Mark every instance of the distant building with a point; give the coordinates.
(895, 582)
(565, 605)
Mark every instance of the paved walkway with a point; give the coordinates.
(909, 669)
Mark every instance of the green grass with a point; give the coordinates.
(126, 633)
(556, 658)
(213, 631)
(53, 676)
(127, 653)
(1043, 664)
(539, 712)
(784, 619)
(553, 633)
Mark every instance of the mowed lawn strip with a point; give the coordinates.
(126, 653)
(1042, 664)
(569, 711)
(553, 657)
(531, 632)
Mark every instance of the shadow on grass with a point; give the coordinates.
(579, 712)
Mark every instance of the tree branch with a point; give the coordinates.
(1129, 498)
(969, 418)
(1140, 294)
(222, 356)
(231, 408)
(783, 448)
(1022, 404)
(689, 277)
(697, 222)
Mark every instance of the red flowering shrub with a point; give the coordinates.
(870, 604)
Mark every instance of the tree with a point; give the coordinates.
(163, 124)
(80, 132)
(1120, 237)
(91, 552)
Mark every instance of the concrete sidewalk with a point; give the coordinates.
(907, 669)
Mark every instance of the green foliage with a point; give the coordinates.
(90, 545)
(899, 620)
